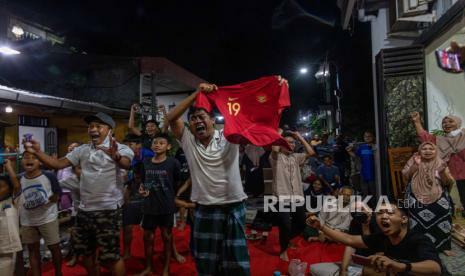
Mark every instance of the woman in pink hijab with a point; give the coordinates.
(451, 148)
(427, 196)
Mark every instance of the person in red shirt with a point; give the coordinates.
(251, 110)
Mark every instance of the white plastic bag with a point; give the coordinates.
(297, 268)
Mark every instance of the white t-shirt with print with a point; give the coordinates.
(101, 185)
(34, 207)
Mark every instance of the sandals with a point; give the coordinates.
(459, 229)
(255, 236)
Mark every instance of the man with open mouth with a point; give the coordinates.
(405, 252)
(149, 132)
(99, 216)
(219, 244)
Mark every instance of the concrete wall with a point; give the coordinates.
(445, 91)
(380, 40)
(379, 34)
(169, 100)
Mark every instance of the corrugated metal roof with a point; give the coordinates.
(32, 98)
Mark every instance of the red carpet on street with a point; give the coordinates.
(264, 256)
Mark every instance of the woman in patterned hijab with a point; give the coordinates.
(427, 195)
(428, 174)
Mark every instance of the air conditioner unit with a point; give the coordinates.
(409, 17)
(411, 9)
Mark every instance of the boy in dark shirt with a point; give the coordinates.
(161, 174)
(405, 252)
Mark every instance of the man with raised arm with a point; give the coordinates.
(287, 183)
(219, 243)
(99, 216)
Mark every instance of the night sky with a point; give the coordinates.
(227, 42)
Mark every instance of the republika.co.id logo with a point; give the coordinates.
(328, 203)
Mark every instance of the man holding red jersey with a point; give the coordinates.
(219, 244)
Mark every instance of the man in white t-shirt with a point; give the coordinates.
(99, 217)
(219, 241)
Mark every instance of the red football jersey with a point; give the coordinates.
(251, 110)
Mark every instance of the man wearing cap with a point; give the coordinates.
(99, 216)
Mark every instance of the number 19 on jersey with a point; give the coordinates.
(234, 108)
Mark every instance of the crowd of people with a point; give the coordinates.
(141, 181)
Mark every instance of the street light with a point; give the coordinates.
(323, 72)
(303, 70)
(17, 31)
(7, 51)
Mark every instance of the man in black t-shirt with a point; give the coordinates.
(161, 174)
(405, 252)
(362, 223)
(150, 128)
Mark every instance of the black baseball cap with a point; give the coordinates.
(151, 121)
(101, 118)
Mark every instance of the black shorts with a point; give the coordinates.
(132, 213)
(151, 222)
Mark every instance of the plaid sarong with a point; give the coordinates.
(219, 244)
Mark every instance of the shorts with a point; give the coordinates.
(98, 229)
(7, 263)
(49, 231)
(132, 213)
(151, 222)
(186, 195)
